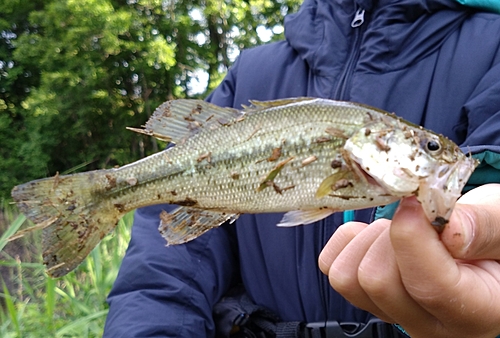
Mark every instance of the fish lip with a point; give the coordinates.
(439, 192)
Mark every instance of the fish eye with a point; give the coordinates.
(433, 147)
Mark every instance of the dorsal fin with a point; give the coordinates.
(259, 105)
(177, 120)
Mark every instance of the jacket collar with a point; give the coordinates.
(395, 34)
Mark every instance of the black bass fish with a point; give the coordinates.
(304, 156)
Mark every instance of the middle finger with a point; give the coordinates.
(343, 272)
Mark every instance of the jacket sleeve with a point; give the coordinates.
(482, 112)
(170, 291)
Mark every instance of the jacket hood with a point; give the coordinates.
(394, 34)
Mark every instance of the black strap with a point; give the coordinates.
(289, 329)
(237, 316)
(375, 328)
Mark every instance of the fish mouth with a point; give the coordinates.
(368, 178)
(439, 192)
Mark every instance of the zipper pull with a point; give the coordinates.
(359, 18)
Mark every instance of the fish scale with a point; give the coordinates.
(303, 156)
(248, 158)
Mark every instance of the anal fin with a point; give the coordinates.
(185, 224)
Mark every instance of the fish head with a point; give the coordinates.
(405, 159)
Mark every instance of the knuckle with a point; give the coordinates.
(373, 282)
(344, 283)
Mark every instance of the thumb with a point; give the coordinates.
(474, 228)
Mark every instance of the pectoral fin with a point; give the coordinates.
(185, 224)
(340, 179)
(298, 217)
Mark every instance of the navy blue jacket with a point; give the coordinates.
(432, 62)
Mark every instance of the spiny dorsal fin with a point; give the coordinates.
(185, 224)
(177, 120)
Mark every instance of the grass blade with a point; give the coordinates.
(11, 309)
(50, 299)
(78, 324)
(11, 230)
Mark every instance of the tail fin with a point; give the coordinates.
(74, 214)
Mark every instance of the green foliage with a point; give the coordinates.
(73, 306)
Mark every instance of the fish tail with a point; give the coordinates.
(74, 213)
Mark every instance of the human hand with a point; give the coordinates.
(433, 285)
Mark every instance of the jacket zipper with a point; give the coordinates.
(340, 94)
(345, 79)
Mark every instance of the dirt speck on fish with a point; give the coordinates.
(365, 157)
